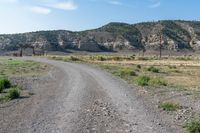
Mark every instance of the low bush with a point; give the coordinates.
(142, 80)
(142, 58)
(193, 126)
(56, 58)
(169, 106)
(157, 82)
(13, 93)
(4, 84)
(73, 58)
(139, 66)
(172, 67)
(153, 69)
(116, 58)
(101, 58)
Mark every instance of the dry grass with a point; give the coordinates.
(180, 71)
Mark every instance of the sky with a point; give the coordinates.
(18, 16)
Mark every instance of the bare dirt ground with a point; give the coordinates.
(77, 98)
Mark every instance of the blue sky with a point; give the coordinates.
(19, 16)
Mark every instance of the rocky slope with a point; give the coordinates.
(176, 35)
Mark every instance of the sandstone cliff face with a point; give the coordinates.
(176, 35)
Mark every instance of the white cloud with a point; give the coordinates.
(68, 5)
(9, 1)
(114, 2)
(157, 4)
(40, 10)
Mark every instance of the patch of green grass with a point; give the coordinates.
(184, 58)
(169, 106)
(148, 81)
(193, 126)
(157, 82)
(13, 93)
(142, 80)
(125, 72)
(14, 67)
(4, 84)
(153, 69)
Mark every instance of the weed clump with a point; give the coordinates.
(13, 93)
(157, 82)
(193, 126)
(146, 81)
(126, 72)
(142, 80)
(100, 58)
(4, 84)
(116, 58)
(72, 58)
(153, 69)
(172, 67)
(169, 106)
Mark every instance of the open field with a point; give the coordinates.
(180, 72)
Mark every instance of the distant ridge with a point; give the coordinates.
(176, 35)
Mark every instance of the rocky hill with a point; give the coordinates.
(176, 35)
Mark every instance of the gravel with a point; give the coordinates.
(77, 98)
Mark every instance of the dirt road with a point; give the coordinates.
(81, 99)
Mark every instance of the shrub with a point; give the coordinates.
(13, 93)
(172, 67)
(193, 126)
(153, 69)
(56, 58)
(132, 57)
(101, 58)
(116, 58)
(169, 106)
(72, 58)
(139, 66)
(157, 82)
(142, 80)
(142, 58)
(4, 84)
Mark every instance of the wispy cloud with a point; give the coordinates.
(40, 10)
(68, 5)
(155, 3)
(115, 2)
(9, 1)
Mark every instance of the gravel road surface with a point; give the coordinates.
(78, 98)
